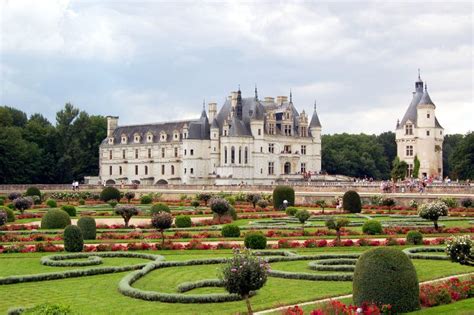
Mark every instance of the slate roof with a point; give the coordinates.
(315, 120)
(155, 129)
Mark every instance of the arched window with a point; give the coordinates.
(246, 155)
(240, 155)
(172, 169)
(232, 155)
(287, 168)
(225, 155)
(146, 170)
(120, 170)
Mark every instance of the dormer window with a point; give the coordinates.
(162, 136)
(176, 135)
(136, 138)
(149, 137)
(124, 139)
(409, 129)
(111, 140)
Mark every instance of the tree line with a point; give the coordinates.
(33, 150)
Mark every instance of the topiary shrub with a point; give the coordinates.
(372, 227)
(337, 225)
(291, 211)
(220, 207)
(10, 214)
(73, 241)
(386, 276)
(51, 203)
(432, 211)
(450, 202)
(414, 238)
(351, 202)
(71, 210)
(183, 221)
(253, 198)
(255, 240)
(460, 249)
(388, 202)
(13, 195)
(36, 199)
(195, 203)
(23, 203)
(55, 219)
(162, 221)
(302, 216)
(281, 193)
(2, 201)
(230, 230)
(82, 202)
(204, 197)
(109, 193)
(33, 191)
(263, 204)
(146, 199)
(126, 212)
(159, 207)
(129, 195)
(231, 200)
(3, 217)
(88, 227)
(112, 203)
(466, 202)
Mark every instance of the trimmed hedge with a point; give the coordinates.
(188, 286)
(88, 227)
(55, 219)
(33, 191)
(183, 221)
(414, 253)
(340, 264)
(281, 193)
(414, 238)
(386, 276)
(230, 230)
(255, 240)
(291, 211)
(73, 240)
(351, 202)
(159, 207)
(110, 193)
(372, 227)
(9, 212)
(51, 203)
(146, 199)
(71, 210)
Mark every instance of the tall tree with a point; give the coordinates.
(463, 158)
(449, 145)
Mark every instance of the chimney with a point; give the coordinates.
(269, 99)
(281, 99)
(212, 110)
(112, 123)
(233, 99)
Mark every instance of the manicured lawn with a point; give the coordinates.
(99, 294)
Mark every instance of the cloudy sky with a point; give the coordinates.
(149, 61)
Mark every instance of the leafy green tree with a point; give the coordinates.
(399, 170)
(450, 143)
(416, 167)
(463, 158)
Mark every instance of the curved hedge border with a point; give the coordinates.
(58, 261)
(413, 253)
(188, 286)
(333, 265)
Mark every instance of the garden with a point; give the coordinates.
(117, 251)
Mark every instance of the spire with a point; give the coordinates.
(419, 83)
(291, 97)
(419, 77)
(425, 98)
(238, 107)
(256, 93)
(315, 119)
(314, 105)
(204, 104)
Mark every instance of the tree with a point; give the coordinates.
(399, 170)
(450, 144)
(321, 203)
(302, 216)
(337, 225)
(253, 198)
(432, 211)
(127, 212)
(244, 273)
(463, 158)
(162, 221)
(205, 197)
(220, 207)
(416, 167)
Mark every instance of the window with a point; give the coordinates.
(271, 168)
(246, 155)
(175, 152)
(136, 153)
(409, 129)
(149, 153)
(120, 170)
(110, 170)
(287, 149)
(427, 132)
(271, 148)
(271, 129)
(287, 130)
(185, 151)
(428, 115)
(110, 155)
(410, 170)
(259, 132)
(136, 169)
(303, 168)
(303, 150)
(303, 132)
(191, 170)
(163, 152)
(409, 150)
(137, 139)
(111, 141)
(149, 138)
(240, 155)
(162, 170)
(172, 169)
(191, 151)
(261, 149)
(124, 140)
(185, 170)
(225, 155)
(146, 170)
(123, 154)
(440, 132)
(232, 155)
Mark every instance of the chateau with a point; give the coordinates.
(248, 141)
(420, 134)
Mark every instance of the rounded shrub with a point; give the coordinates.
(55, 219)
(51, 203)
(33, 191)
(351, 202)
(2, 201)
(71, 210)
(232, 213)
(82, 202)
(88, 227)
(388, 202)
(13, 195)
(73, 240)
(255, 240)
(146, 199)
(219, 206)
(159, 207)
(281, 193)
(414, 238)
(262, 203)
(109, 193)
(230, 230)
(113, 203)
(3, 217)
(231, 200)
(129, 195)
(372, 227)
(467, 202)
(195, 203)
(386, 276)
(291, 211)
(23, 203)
(10, 214)
(183, 221)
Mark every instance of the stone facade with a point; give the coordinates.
(420, 134)
(247, 141)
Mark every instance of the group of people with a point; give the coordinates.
(75, 185)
